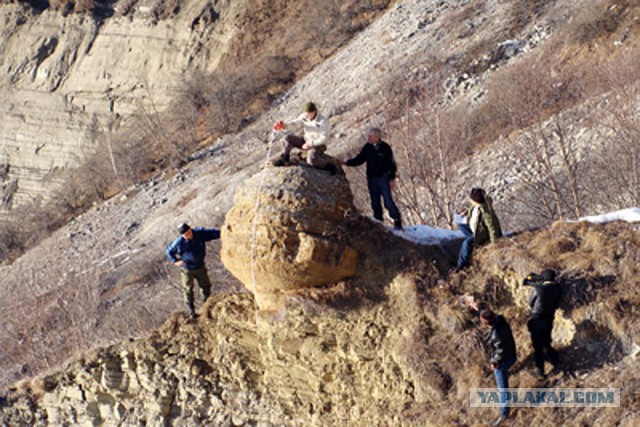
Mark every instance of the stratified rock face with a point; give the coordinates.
(290, 224)
(66, 77)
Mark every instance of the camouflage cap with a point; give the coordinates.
(309, 107)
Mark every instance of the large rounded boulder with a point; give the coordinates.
(287, 231)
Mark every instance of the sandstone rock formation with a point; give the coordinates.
(287, 231)
(407, 357)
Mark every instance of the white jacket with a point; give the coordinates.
(316, 131)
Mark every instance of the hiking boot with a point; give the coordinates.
(397, 224)
(540, 376)
(280, 161)
(192, 310)
(331, 168)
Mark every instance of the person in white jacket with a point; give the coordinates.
(316, 136)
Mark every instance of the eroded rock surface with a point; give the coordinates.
(287, 231)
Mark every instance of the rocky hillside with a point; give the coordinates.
(72, 75)
(102, 278)
(388, 346)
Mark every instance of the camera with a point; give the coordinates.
(532, 279)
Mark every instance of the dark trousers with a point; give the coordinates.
(204, 283)
(466, 249)
(502, 382)
(540, 330)
(379, 187)
(315, 155)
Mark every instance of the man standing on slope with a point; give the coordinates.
(188, 252)
(502, 350)
(316, 136)
(381, 175)
(544, 300)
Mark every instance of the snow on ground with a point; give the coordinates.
(629, 215)
(425, 235)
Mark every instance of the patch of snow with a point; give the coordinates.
(425, 235)
(629, 215)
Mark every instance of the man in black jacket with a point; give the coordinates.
(502, 348)
(381, 173)
(544, 300)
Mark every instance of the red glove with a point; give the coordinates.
(279, 125)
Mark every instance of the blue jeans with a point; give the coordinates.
(466, 249)
(379, 187)
(502, 382)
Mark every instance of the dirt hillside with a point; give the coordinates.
(389, 347)
(102, 279)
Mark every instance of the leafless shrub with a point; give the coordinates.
(616, 163)
(125, 6)
(165, 9)
(78, 6)
(432, 140)
(531, 96)
(599, 20)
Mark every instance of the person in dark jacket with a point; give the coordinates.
(502, 348)
(381, 175)
(188, 252)
(482, 225)
(544, 301)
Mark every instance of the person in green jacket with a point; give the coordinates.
(482, 226)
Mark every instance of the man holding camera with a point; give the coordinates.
(544, 300)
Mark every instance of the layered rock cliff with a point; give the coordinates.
(67, 77)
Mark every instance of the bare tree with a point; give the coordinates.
(433, 141)
(531, 97)
(617, 163)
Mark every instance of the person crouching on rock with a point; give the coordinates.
(381, 175)
(316, 136)
(482, 225)
(188, 252)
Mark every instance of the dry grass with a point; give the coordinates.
(437, 352)
(600, 301)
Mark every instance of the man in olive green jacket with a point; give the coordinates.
(482, 225)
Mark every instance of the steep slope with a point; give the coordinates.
(381, 349)
(68, 79)
(65, 78)
(103, 278)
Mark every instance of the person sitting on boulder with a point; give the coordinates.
(316, 136)
(188, 252)
(544, 301)
(381, 175)
(482, 225)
